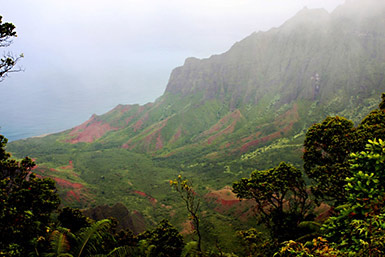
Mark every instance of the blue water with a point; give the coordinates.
(40, 106)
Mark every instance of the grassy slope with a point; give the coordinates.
(219, 119)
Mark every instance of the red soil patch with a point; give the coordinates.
(138, 125)
(143, 107)
(120, 109)
(251, 137)
(70, 166)
(227, 145)
(150, 198)
(71, 195)
(127, 120)
(285, 121)
(67, 184)
(228, 130)
(188, 228)
(124, 108)
(152, 135)
(227, 201)
(89, 131)
(75, 191)
(159, 142)
(140, 193)
(224, 194)
(156, 134)
(176, 136)
(291, 116)
(234, 116)
(128, 145)
(39, 176)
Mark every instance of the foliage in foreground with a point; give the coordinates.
(281, 199)
(26, 204)
(358, 229)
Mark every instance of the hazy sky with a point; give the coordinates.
(86, 56)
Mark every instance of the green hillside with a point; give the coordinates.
(222, 117)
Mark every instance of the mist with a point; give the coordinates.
(85, 57)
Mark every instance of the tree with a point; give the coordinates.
(26, 204)
(373, 125)
(164, 240)
(281, 197)
(326, 150)
(359, 226)
(72, 219)
(189, 196)
(8, 61)
(254, 242)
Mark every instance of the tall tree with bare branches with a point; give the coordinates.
(8, 60)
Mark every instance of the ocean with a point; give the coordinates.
(32, 110)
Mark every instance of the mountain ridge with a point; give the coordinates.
(223, 116)
(267, 70)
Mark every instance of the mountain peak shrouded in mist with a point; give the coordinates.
(281, 59)
(360, 8)
(250, 106)
(269, 85)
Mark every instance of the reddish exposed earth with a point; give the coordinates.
(71, 195)
(127, 120)
(176, 136)
(159, 142)
(233, 117)
(89, 131)
(285, 122)
(188, 228)
(227, 202)
(67, 184)
(138, 125)
(70, 166)
(71, 192)
(150, 198)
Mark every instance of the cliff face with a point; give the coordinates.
(251, 105)
(344, 48)
(270, 85)
(315, 64)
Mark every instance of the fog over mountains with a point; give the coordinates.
(258, 97)
(230, 124)
(86, 57)
(268, 85)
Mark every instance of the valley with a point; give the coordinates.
(220, 119)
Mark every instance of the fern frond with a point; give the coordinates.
(59, 243)
(90, 237)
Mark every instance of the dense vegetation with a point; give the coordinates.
(286, 209)
(218, 127)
